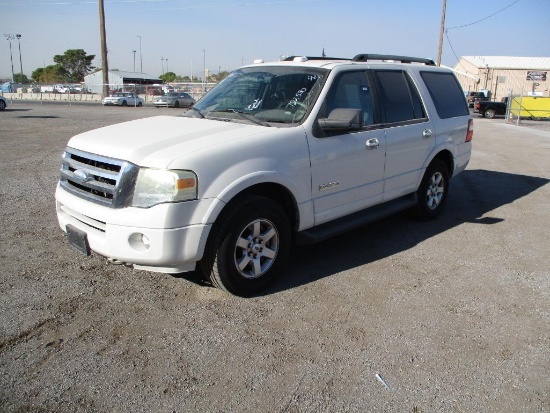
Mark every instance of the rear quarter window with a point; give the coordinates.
(446, 94)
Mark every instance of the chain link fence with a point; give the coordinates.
(82, 93)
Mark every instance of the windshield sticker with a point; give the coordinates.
(297, 96)
(254, 105)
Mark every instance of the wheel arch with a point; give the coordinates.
(445, 155)
(276, 192)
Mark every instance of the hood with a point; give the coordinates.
(156, 142)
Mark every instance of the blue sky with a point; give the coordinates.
(223, 34)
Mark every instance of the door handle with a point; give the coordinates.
(372, 144)
(427, 133)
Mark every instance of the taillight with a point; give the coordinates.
(477, 105)
(470, 132)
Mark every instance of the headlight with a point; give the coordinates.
(157, 186)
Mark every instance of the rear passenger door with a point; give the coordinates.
(409, 133)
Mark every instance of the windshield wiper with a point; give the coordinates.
(243, 115)
(198, 111)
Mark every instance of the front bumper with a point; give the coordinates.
(113, 233)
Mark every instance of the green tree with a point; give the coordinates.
(49, 74)
(75, 63)
(168, 77)
(21, 78)
(218, 77)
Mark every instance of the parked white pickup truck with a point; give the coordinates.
(277, 153)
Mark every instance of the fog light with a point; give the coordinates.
(139, 242)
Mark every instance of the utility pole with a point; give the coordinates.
(104, 63)
(441, 31)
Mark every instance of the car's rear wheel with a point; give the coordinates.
(247, 246)
(489, 113)
(433, 189)
(2, 105)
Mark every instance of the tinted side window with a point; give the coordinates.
(351, 90)
(446, 94)
(400, 99)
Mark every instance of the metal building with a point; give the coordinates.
(502, 76)
(119, 80)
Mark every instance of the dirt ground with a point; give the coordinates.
(399, 316)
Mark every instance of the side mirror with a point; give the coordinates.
(342, 120)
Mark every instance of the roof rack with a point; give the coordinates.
(402, 59)
(291, 58)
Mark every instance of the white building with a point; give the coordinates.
(502, 75)
(119, 80)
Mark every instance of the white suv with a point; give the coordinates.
(292, 151)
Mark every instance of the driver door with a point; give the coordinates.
(348, 166)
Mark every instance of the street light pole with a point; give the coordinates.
(134, 60)
(204, 71)
(162, 63)
(20, 59)
(140, 56)
(166, 65)
(9, 38)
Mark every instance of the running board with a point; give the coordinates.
(355, 220)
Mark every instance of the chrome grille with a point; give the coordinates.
(99, 179)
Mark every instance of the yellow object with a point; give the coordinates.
(530, 107)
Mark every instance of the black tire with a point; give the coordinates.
(140, 104)
(432, 192)
(2, 105)
(247, 246)
(177, 104)
(124, 103)
(489, 114)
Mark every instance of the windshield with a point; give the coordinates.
(265, 94)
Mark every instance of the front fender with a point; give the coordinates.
(301, 198)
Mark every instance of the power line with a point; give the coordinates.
(485, 18)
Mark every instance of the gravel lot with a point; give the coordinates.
(454, 315)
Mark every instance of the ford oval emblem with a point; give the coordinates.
(82, 175)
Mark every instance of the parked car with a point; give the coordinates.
(174, 100)
(489, 109)
(292, 151)
(123, 99)
(474, 97)
(3, 103)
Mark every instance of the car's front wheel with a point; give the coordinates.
(247, 246)
(2, 105)
(433, 189)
